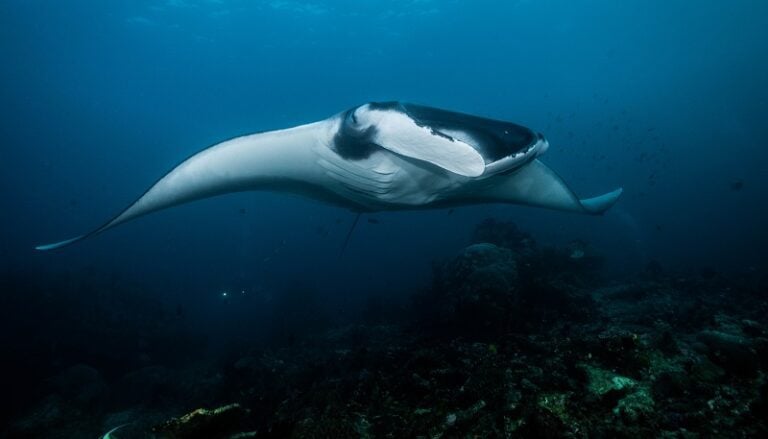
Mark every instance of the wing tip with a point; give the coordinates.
(60, 244)
(601, 203)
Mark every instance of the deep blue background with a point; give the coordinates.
(99, 98)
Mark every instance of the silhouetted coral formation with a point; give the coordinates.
(511, 339)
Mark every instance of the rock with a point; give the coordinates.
(503, 234)
(221, 423)
(759, 407)
(80, 384)
(671, 384)
(147, 385)
(246, 364)
(602, 381)
(706, 371)
(513, 398)
(472, 412)
(44, 416)
(670, 378)
(733, 353)
(362, 427)
(556, 404)
(666, 343)
(752, 328)
(632, 400)
(477, 290)
(619, 349)
(636, 406)
(512, 425)
(551, 418)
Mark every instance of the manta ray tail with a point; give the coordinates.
(349, 235)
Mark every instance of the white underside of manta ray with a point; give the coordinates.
(375, 157)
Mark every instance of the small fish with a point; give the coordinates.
(577, 249)
(450, 211)
(659, 228)
(242, 211)
(737, 185)
(373, 221)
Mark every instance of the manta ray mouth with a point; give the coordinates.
(519, 158)
(504, 146)
(465, 144)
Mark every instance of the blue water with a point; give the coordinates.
(665, 99)
(668, 99)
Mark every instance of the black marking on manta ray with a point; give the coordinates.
(493, 139)
(351, 143)
(389, 105)
(398, 107)
(438, 133)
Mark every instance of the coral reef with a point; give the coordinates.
(217, 423)
(511, 340)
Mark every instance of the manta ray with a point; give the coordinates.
(379, 156)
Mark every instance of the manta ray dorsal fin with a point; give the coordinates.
(397, 132)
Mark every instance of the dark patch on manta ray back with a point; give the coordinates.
(351, 143)
(493, 139)
(400, 108)
(389, 105)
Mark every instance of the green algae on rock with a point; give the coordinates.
(220, 423)
(602, 381)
